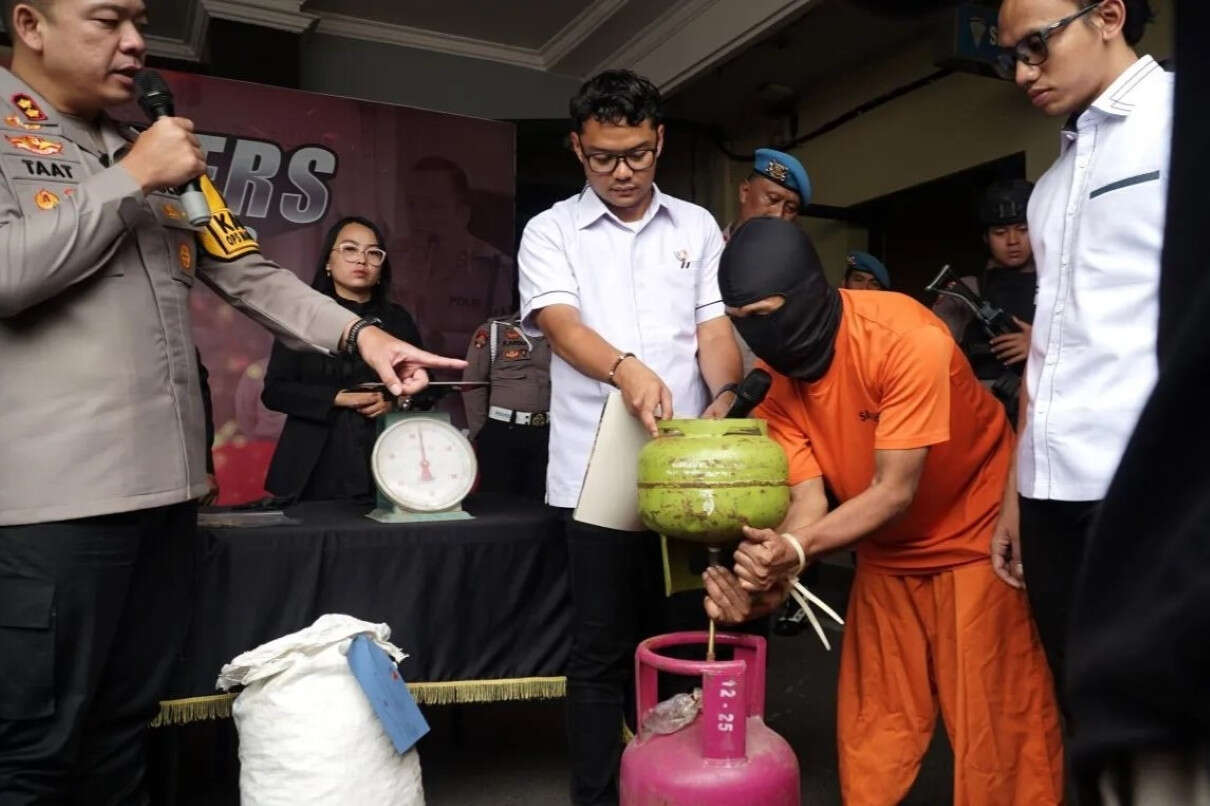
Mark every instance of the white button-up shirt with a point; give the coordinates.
(1096, 220)
(643, 286)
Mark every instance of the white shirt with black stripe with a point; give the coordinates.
(1096, 220)
(643, 286)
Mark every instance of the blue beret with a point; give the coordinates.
(785, 170)
(864, 261)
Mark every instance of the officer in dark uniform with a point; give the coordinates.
(1009, 282)
(864, 272)
(509, 420)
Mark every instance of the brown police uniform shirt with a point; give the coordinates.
(519, 375)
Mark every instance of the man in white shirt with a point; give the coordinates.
(1096, 223)
(623, 281)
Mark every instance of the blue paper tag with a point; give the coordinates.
(387, 692)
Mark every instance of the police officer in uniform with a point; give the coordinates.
(509, 420)
(778, 187)
(101, 410)
(864, 272)
(1008, 282)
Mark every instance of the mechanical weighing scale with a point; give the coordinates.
(423, 466)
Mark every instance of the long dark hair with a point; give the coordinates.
(323, 281)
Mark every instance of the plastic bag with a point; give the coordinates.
(673, 714)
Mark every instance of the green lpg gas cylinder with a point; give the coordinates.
(701, 480)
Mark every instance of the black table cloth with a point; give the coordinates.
(480, 606)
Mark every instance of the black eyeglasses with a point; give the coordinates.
(1033, 50)
(604, 163)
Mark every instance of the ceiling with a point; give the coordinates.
(671, 41)
(491, 21)
(832, 38)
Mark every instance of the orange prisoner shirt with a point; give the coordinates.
(898, 381)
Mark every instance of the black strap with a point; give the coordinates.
(355, 331)
(729, 387)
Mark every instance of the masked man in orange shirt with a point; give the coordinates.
(872, 398)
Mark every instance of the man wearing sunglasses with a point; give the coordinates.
(623, 281)
(1096, 223)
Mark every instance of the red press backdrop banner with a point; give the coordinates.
(290, 164)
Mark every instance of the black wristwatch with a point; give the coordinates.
(355, 331)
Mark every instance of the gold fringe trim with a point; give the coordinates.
(517, 688)
(193, 709)
(218, 706)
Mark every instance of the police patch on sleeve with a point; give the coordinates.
(223, 237)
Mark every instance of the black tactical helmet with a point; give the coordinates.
(1005, 203)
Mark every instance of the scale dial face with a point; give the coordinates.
(424, 464)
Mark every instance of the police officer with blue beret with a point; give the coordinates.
(778, 187)
(864, 272)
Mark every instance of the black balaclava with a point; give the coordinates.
(767, 257)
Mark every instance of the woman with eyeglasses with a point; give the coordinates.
(324, 449)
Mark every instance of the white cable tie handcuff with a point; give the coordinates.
(805, 598)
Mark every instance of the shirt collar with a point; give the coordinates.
(1121, 97)
(113, 141)
(1118, 100)
(51, 114)
(590, 208)
(73, 128)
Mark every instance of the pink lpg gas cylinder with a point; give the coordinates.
(727, 756)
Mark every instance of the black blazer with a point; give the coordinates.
(303, 386)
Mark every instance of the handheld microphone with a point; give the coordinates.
(155, 98)
(749, 394)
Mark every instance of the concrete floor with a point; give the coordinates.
(514, 754)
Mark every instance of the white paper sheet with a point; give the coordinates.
(609, 496)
